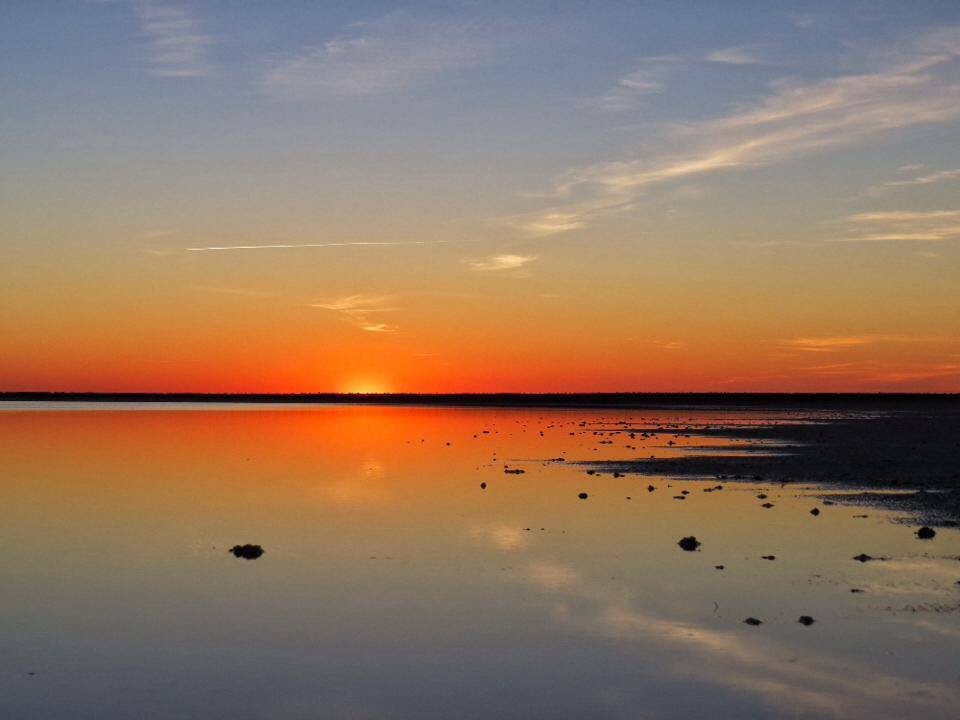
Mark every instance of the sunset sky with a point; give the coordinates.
(479, 196)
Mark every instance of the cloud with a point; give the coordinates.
(929, 179)
(832, 343)
(178, 46)
(912, 86)
(902, 226)
(388, 54)
(739, 55)
(500, 263)
(295, 246)
(647, 79)
(358, 308)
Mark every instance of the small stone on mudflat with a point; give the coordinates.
(925, 533)
(806, 620)
(753, 621)
(689, 543)
(247, 552)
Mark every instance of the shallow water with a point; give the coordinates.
(393, 586)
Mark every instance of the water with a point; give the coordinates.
(393, 586)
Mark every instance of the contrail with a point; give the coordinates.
(311, 245)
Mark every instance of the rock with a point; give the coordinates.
(761, 496)
(650, 488)
(483, 486)
(769, 557)
(247, 552)
(925, 533)
(514, 471)
(689, 543)
(718, 567)
(767, 505)
(583, 496)
(806, 620)
(753, 621)
(815, 512)
(862, 557)
(856, 590)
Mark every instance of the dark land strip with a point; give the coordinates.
(916, 452)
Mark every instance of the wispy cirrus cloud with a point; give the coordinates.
(178, 47)
(382, 56)
(914, 85)
(357, 309)
(500, 263)
(902, 226)
(927, 179)
(835, 343)
(647, 79)
(738, 55)
(297, 246)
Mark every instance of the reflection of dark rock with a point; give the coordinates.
(689, 543)
(806, 620)
(862, 557)
(753, 621)
(925, 533)
(247, 552)
(583, 496)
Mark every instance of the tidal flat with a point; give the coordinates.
(343, 561)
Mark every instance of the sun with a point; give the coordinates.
(366, 386)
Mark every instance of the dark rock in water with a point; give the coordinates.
(761, 496)
(514, 471)
(815, 511)
(856, 590)
(650, 488)
(753, 621)
(689, 543)
(862, 557)
(483, 486)
(679, 497)
(718, 567)
(806, 620)
(829, 502)
(247, 552)
(925, 533)
(684, 492)
(583, 496)
(769, 557)
(767, 505)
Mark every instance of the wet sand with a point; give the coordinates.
(913, 455)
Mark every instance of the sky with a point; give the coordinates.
(479, 196)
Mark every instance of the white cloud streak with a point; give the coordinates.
(296, 246)
(178, 47)
(915, 86)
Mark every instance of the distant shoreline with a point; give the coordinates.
(572, 400)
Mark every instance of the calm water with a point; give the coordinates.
(393, 586)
